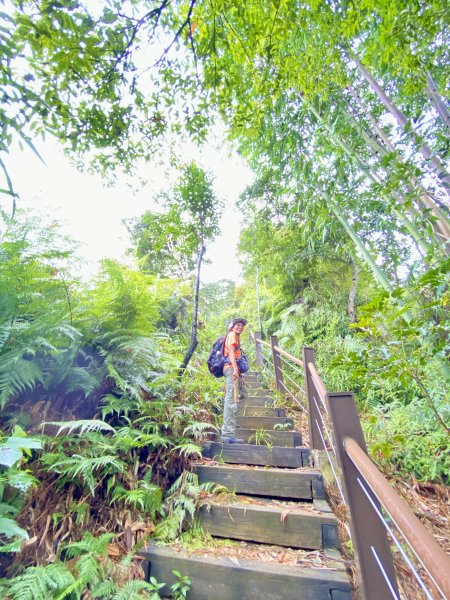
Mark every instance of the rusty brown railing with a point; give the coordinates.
(335, 429)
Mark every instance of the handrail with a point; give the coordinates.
(427, 550)
(264, 343)
(284, 353)
(320, 386)
(366, 489)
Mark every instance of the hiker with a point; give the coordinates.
(233, 379)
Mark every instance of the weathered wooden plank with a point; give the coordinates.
(268, 525)
(271, 482)
(228, 579)
(256, 401)
(260, 411)
(275, 438)
(256, 391)
(269, 423)
(250, 454)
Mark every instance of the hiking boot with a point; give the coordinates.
(232, 440)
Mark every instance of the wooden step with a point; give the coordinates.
(255, 385)
(256, 391)
(264, 401)
(250, 454)
(271, 438)
(260, 411)
(275, 483)
(226, 578)
(268, 423)
(269, 524)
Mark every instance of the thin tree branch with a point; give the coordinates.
(178, 33)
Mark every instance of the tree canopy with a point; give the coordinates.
(167, 242)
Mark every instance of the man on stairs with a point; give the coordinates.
(233, 380)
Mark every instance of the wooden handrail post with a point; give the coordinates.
(368, 533)
(312, 402)
(259, 357)
(277, 364)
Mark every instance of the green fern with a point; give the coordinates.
(87, 470)
(189, 449)
(132, 590)
(181, 503)
(146, 497)
(82, 379)
(17, 375)
(89, 544)
(83, 425)
(104, 589)
(198, 429)
(127, 438)
(39, 583)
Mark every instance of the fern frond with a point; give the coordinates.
(132, 590)
(189, 449)
(147, 497)
(40, 583)
(104, 589)
(84, 425)
(198, 428)
(87, 469)
(90, 544)
(185, 477)
(88, 568)
(168, 529)
(81, 379)
(17, 375)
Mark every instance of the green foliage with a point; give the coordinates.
(312, 324)
(40, 583)
(71, 70)
(90, 571)
(146, 497)
(261, 437)
(15, 480)
(34, 319)
(408, 440)
(181, 503)
(167, 243)
(181, 587)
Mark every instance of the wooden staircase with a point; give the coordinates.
(278, 501)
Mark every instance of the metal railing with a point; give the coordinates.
(375, 509)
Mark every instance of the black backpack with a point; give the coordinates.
(216, 359)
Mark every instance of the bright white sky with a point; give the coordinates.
(92, 213)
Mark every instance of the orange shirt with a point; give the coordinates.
(232, 339)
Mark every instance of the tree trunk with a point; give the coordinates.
(194, 340)
(353, 290)
(422, 244)
(441, 226)
(439, 104)
(379, 130)
(403, 122)
(360, 247)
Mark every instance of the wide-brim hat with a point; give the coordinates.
(237, 320)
